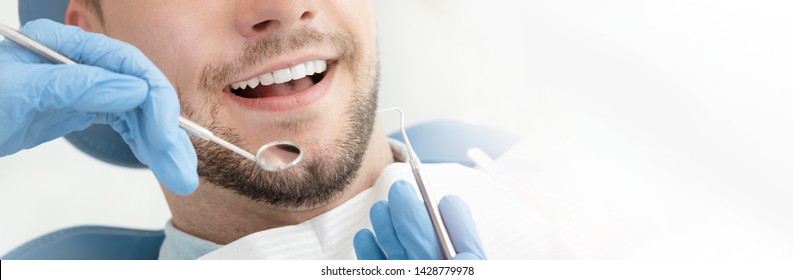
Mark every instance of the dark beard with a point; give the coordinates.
(319, 177)
(316, 180)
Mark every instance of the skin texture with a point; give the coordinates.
(203, 46)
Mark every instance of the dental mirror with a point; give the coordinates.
(278, 155)
(273, 156)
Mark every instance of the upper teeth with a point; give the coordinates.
(284, 75)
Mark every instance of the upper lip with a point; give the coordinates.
(281, 63)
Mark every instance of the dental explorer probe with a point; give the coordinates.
(447, 249)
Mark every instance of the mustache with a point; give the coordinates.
(215, 76)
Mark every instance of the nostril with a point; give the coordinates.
(267, 24)
(307, 15)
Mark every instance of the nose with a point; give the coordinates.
(256, 18)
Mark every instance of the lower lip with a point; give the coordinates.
(288, 102)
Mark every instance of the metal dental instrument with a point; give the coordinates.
(273, 156)
(415, 165)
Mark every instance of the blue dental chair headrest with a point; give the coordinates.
(36, 9)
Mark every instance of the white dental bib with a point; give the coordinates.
(327, 236)
(508, 228)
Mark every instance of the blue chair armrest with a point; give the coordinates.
(92, 243)
(445, 141)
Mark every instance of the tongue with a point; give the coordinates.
(282, 89)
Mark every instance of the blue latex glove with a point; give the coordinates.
(404, 231)
(117, 85)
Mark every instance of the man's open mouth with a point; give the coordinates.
(282, 82)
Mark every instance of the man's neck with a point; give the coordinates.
(220, 215)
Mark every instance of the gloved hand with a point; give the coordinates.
(116, 85)
(404, 230)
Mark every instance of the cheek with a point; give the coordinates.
(181, 59)
(358, 15)
(177, 39)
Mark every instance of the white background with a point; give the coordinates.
(654, 129)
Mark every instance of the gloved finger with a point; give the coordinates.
(174, 164)
(43, 102)
(380, 214)
(16, 135)
(366, 247)
(461, 228)
(12, 52)
(45, 131)
(161, 108)
(80, 87)
(89, 48)
(160, 111)
(152, 132)
(412, 223)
